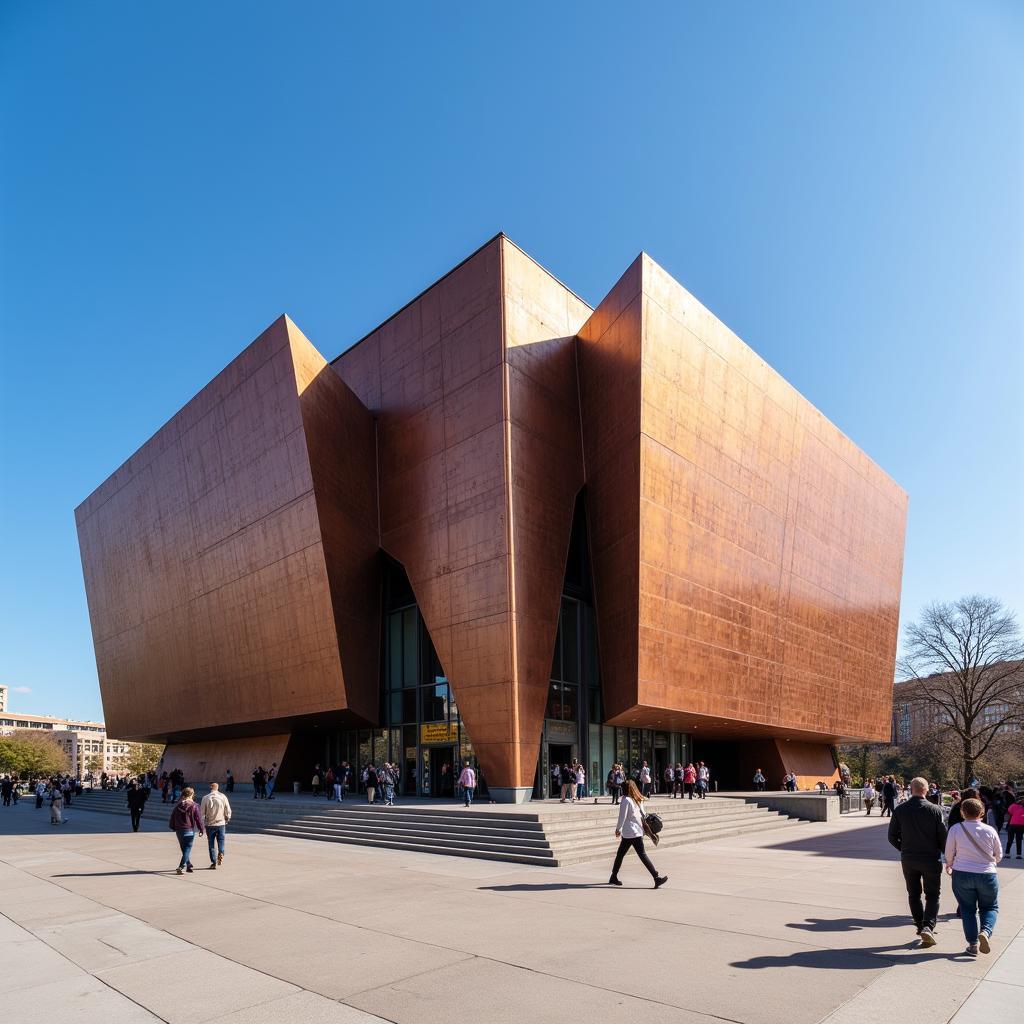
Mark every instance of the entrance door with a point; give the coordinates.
(660, 764)
(560, 754)
(442, 772)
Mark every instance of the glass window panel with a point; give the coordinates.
(555, 701)
(394, 653)
(434, 703)
(570, 703)
(594, 776)
(622, 747)
(595, 707)
(395, 714)
(570, 642)
(410, 647)
(408, 705)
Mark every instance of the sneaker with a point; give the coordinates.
(927, 937)
(220, 859)
(188, 868)
(972, 949)
(179, 871)
(614, 881)
(660, 881)
(213, 866)
(983, 944)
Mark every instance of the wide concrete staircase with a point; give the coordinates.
(545, 834)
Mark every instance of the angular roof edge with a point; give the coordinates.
(500, 236)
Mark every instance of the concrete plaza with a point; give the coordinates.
(797, 926)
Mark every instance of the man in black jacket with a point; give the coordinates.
(917, 831)
(137, 797)
(888, 796)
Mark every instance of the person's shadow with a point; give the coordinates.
(864, 958)
(545, 887)
(849, 924)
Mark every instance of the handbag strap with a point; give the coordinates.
(975, 843)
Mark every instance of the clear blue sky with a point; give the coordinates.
(840, 183)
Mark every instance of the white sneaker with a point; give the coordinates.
(927, 937)
(983, 943)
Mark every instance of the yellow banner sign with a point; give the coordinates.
(439, 732)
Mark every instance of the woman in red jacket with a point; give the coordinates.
(186, 821)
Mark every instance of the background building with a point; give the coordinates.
(85, 743)
(503, 527)
(3, 699)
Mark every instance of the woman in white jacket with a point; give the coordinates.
(630, 833)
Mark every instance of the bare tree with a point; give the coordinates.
(966, 659)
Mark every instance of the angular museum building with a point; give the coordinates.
(502, 527)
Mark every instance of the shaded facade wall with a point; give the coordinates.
(204, 563)
(206, 761)
(770, 547)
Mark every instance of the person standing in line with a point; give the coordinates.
(467, 780)
(336, 784)
(371, 783)
(581, 782)
(689, 780)
(759, 780)
(645, 780)
(618, 781)
(216, 811)
(629, 830)
(137, 797)
(185, 822)
(916, 829)
(669, 777)
(972, 852)
(1015, 825)
(271, 779)
(229, 781)
(703, 780)
(869, 796)
(40, 793)
(387, 781)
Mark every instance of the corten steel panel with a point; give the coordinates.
(207, 760)
(209, 591)
(609, 386)
(770, 547)
(479, 463)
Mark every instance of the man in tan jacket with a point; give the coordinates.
(216, 815)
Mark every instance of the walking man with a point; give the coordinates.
(137, 797)
(889, 795)
(916, 829)
(467, 780)
(216, 811)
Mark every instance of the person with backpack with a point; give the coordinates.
(972, 852)
(185, 822)
(629, 830)
(386, 777)
(703, 780)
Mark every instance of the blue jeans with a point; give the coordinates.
(977, 894)
(216, 834)
(467, 792)
(185, 841)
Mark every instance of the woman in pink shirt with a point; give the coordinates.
(1015, 825)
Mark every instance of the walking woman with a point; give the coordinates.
(630, 833)
(972, 852)
(186, 821)
(1015, 825)
(56, 805)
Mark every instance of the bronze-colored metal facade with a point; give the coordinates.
(747, 557)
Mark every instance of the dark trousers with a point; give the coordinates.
(638, 845)
(136, 813)
(688, 786)
(925, 876)
(1014, 832)
(887, 806)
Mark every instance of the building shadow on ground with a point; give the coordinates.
(859, 845)
(863, 958)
